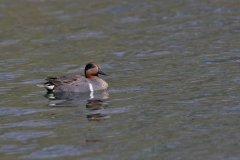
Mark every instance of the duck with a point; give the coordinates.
(89, 82)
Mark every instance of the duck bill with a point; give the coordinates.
(102, 73)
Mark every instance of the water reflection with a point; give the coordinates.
(96, 104)
(94, 101)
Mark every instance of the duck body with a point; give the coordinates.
(78, 83)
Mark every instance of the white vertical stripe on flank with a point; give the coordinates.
(90, 87)
(91, 90)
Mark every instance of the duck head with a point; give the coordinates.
(92, 70)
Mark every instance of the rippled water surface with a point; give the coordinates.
(174, 79)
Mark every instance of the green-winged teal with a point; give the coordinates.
(77, 83)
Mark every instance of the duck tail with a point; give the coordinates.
(47, 85)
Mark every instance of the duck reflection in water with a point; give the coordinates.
(94, 101)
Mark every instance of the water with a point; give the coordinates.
(174, 79)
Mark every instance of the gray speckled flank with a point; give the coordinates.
(82, 85)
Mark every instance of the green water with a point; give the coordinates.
(174, 79)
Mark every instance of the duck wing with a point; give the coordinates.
(67, 79)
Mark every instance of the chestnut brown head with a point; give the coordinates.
(93, 70)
